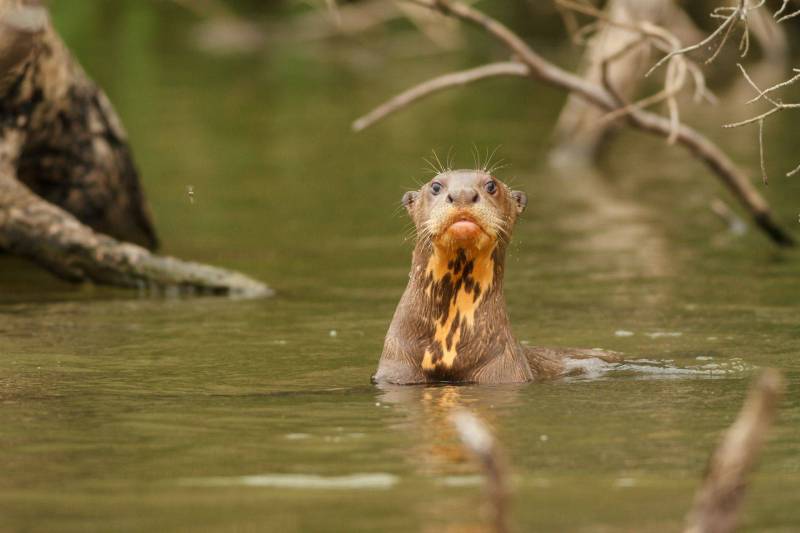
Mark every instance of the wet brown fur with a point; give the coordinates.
(451, 323)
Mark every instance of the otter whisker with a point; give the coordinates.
(431, 167)
(450, 159)
(476, 156)
(499, 165)
(439, 161)
(489, 158)
(428, 171)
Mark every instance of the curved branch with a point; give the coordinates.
(700, 146)
(454, 79)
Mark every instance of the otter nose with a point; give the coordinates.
(463, 196)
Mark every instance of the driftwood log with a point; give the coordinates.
(70, 196)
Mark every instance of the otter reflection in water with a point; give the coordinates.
(451, 323)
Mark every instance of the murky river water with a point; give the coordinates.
(131, 413)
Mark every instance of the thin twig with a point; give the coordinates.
(730, 15)
(789, 16)
(757, 118)
(454, 79)
(761, 152)
(777, 105)
(779, 12)
(761, 94)
(765, 92)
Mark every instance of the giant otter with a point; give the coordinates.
(451, 323)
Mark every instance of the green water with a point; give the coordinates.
(128, 413)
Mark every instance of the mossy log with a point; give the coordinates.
(70, 195)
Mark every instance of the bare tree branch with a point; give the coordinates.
(454, 79)
(701, 147)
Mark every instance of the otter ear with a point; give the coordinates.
(520, 199)
(409, 199)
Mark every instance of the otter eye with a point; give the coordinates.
(436, 188)
(491, 187)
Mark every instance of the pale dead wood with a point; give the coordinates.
(719, 499)
(701, 147)
(454, 79)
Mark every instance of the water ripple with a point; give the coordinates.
(299, 481)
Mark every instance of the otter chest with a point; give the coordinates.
(454, 289)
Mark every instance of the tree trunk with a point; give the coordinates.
(69, 190)
(578, 137)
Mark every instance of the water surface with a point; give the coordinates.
(132, 412)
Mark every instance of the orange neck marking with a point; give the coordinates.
(459, 283)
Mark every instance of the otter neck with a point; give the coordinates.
(481, 271)
(454, 289)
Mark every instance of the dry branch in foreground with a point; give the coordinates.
(719, 498)
(69, 190)
(605, 98)
(478, 439)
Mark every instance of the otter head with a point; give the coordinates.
(468, 210)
